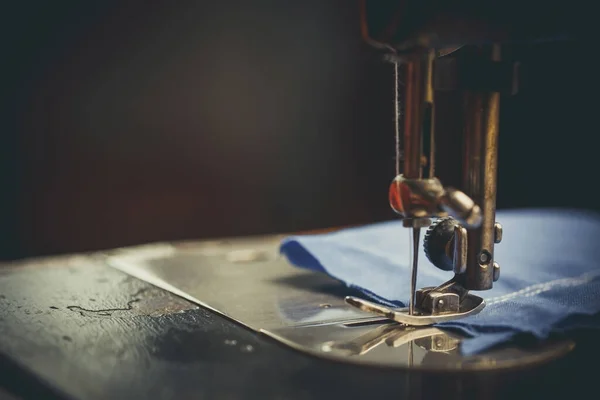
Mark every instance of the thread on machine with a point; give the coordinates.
(397, 115)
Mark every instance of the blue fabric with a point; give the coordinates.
(549, 283)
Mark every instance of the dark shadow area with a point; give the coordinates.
(21, 382)
(125, 122)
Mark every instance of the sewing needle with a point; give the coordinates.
(416, 233)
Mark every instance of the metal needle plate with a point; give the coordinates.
(247, 281)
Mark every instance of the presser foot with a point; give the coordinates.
(447, 302)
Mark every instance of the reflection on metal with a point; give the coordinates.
(264, 294)
(395, 345)
(303, 309)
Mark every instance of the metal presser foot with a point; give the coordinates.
(434, 305)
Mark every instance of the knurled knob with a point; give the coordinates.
(438, 243)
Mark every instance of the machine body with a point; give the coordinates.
(450, 46)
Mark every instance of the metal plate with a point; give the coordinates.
(245, 280)
(394, 345)
(248, 281)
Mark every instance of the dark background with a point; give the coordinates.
(123, 122)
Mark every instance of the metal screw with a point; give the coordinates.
(497, 233)
(484, 257)
(496, 271)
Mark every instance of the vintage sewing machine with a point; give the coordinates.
(438, 47)
(463, 241)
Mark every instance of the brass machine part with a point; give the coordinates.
(418, 199)
(479, 76)
(418, 106)
(481, 120)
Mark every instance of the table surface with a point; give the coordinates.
(74, 328)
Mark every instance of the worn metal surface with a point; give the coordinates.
(77, 306)
(48, 351)
(260, 290)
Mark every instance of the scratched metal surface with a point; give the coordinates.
(245, 279)
(73, 328)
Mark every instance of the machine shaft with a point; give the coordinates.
(481, 119)
(417, 113)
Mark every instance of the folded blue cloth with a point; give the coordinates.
(550, 270)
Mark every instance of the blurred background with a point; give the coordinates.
(125, 122)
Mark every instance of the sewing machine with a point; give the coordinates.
(193, 301)
(427, 48)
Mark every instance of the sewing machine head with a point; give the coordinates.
(445, 46)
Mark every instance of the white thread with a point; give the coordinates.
(397, 116)
(545, 286)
